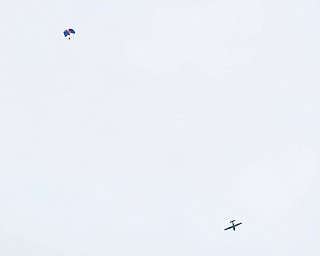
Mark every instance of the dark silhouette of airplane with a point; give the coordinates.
(233, 225)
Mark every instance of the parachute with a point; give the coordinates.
(68, 32)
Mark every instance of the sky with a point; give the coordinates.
(157, 124)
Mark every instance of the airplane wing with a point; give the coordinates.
(238, 224)
(228, 228)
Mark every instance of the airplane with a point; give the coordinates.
(233, 225)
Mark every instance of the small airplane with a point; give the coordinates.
(233, 225)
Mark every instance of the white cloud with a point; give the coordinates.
(156, 124)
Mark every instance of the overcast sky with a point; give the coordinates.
(157, 124)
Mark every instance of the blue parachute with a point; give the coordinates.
(68, 32)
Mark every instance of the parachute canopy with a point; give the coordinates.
(68, 32)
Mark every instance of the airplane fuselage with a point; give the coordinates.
(233, 226)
